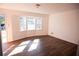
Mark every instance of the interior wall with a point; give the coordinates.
(13, 28)
(65, 25)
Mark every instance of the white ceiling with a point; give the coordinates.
(45, 8)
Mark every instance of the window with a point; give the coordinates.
(38, 23)
(30, 23)
(22, 23)
(2, 22)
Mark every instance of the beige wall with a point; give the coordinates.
(65, 25)
(13, 28)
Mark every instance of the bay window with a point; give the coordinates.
(30, 23)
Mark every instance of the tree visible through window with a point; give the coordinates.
(2, 22)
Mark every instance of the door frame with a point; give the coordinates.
(1, 52)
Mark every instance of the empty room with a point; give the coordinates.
(39, 29)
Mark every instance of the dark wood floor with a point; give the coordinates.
(40, 46)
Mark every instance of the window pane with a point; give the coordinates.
(38, 23)
(2, 22)
(22, 23)
(30, 23)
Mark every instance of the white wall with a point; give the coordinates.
(65, 25)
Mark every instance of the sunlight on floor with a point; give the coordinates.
(19, 48)
(24, 43)
(34, 45)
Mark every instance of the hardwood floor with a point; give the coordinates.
(40, 46)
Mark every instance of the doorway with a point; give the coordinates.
(3, 29)
(3, 33)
